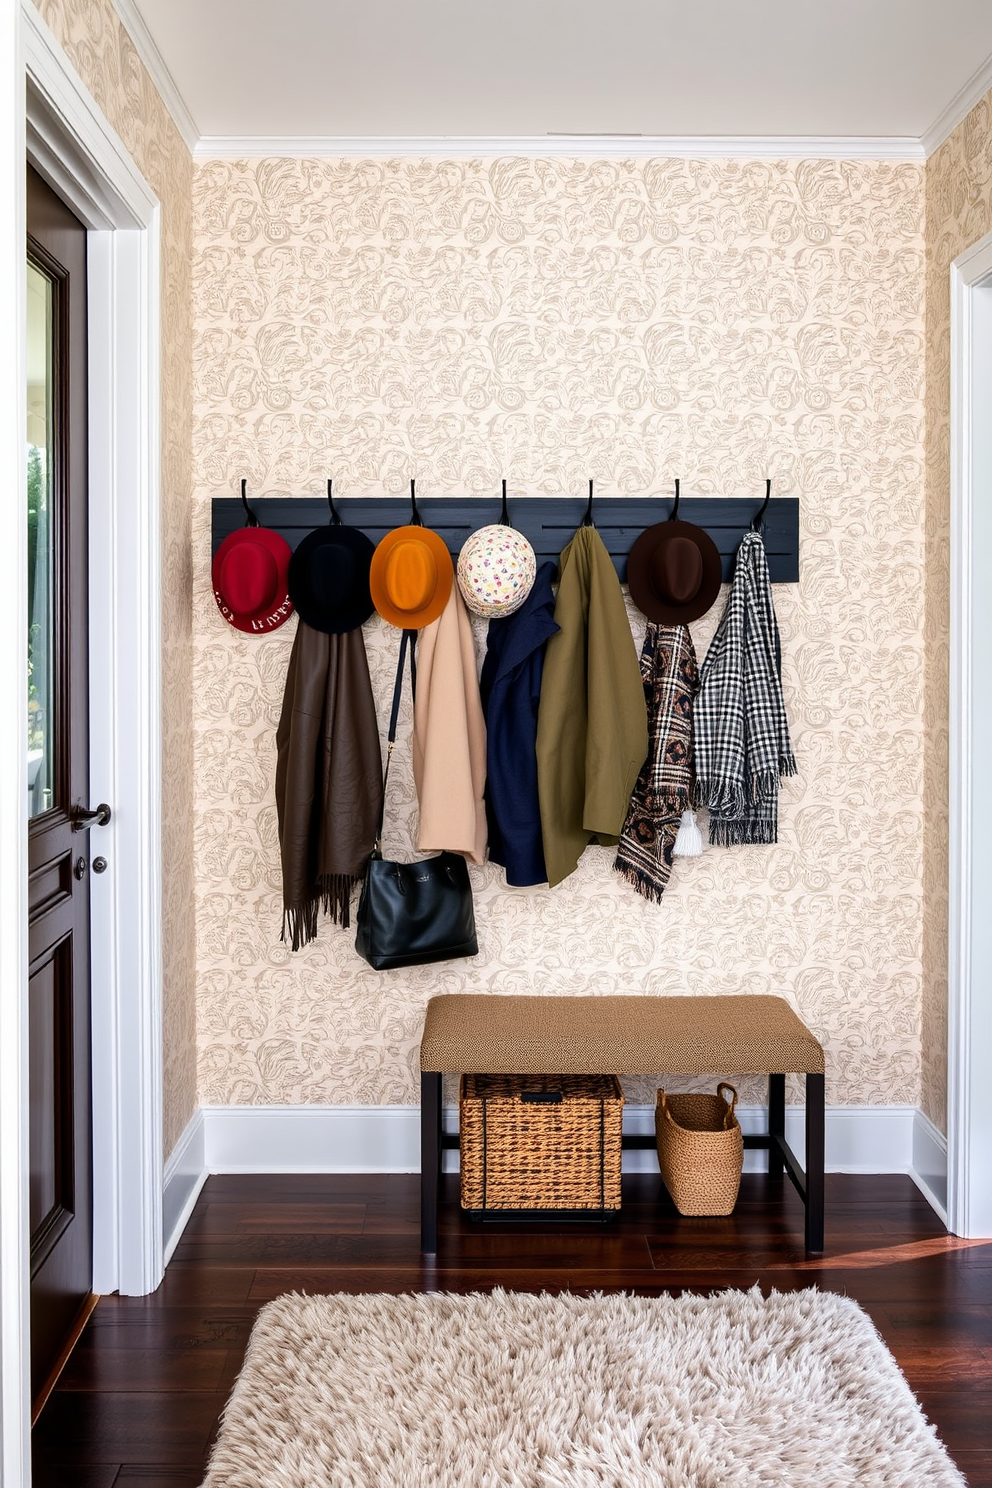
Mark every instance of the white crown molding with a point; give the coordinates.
(960, 106)
(593, 146)
(144, 44)
(458, 147)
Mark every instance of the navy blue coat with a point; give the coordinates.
(511, 690)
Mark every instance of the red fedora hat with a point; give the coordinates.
(250, 577)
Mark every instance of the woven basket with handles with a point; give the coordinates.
(700, 1150)
(532, 1142)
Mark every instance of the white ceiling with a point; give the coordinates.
(791, 68)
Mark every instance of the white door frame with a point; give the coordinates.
(67, 139)
(969, 1118)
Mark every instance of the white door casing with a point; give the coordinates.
(70, 143)
(60, 129)
(969, 1115)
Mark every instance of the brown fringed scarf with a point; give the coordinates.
(664, 786)
(328, 779)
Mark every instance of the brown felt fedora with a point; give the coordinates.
(674, 572)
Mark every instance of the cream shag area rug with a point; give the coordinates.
(508, 1390)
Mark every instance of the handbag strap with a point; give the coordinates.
(409, 640)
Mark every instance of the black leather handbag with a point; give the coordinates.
(410, 914)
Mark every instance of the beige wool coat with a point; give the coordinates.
(449, 737)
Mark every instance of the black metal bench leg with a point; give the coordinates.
(814, 1164)
(776, 1123)
(430, 1158)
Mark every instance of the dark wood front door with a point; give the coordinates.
(59, 856)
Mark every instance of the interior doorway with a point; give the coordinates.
(71, 145)
(969, 1129)
(59, 860)
(73, 148)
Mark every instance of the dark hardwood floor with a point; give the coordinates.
(139, 1400)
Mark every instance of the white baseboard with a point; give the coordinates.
(929, 1168)
(311, 1139)
(858, 1139)
(185, 1174)
(386, 1139)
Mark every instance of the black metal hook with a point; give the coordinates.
(335, 515)
(673, 515)
(416, 520)
(757, 521)
(587, 520)
(252, 519)
(504, 516)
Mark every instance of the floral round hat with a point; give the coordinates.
(496, 569)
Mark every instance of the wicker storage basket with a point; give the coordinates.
(540, 1142)
(700, 1150)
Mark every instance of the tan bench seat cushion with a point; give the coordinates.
(483, 1034)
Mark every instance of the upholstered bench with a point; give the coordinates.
(477, 1033)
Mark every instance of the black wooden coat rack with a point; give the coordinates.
(548, 522)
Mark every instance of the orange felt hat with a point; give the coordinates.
(411, 578)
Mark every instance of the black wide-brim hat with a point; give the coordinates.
(674, 572)
(329, 578)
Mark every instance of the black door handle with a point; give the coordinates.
(82, 819)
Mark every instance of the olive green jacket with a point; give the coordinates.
(592, 731)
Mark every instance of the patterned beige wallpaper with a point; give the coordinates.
(105, 58)
(547, 321)
(958, 213)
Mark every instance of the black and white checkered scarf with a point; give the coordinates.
(742, 733)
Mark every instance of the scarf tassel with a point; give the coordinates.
(741, 818)
(299, 923)
(645, 884)
(332, 895)
(688, 838)
(744, 833)
(335, 895)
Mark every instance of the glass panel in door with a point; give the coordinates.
(41, 557)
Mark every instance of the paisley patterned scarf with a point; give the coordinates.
(664, 786)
